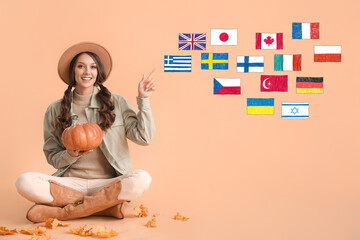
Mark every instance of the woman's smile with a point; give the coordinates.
(85, 74)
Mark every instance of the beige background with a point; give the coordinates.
(235, 176)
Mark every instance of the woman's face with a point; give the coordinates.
(85, 74)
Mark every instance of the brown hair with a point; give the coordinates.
(107, 116)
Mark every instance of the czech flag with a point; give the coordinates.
(224, 86)
(305, 30)
(309, 85)
(260, 106)
(327, 54)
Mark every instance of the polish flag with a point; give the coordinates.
(269, 41)
(223, 37)
(227, 86)
(327, 54)
(274, 83)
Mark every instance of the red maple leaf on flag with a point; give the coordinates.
(269, 40)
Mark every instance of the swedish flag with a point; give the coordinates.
(214, 61)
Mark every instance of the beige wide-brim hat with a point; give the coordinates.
(71, 52)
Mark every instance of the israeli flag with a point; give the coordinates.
(295, 110)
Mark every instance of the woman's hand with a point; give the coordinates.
(76, 153)
(146, 86)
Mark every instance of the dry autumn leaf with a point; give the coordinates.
(54, 223)
(104, 232)
(5, 231)
(31, 231)
(141, 211)
(180, 217)
(152, 223)
(81, 231)
(40, 237)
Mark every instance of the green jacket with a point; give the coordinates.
(139, 128)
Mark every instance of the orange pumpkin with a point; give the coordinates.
(82, 137)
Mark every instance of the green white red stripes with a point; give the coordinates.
(287, 62)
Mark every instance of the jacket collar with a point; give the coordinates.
(94, 103)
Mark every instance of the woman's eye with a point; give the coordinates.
(80, 66)
(93, 67)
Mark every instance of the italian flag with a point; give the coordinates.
(287, 62)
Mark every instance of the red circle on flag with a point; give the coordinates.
(224, 36)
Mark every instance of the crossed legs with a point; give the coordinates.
(67, 192)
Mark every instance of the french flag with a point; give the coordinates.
(224, 86)
(305, 30)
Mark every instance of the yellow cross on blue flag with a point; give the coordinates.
(211, 61)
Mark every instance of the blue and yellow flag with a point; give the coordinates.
(260, 106)
(214, 61)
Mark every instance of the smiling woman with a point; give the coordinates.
(85, 72)
(100, 180)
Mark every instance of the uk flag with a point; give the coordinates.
(192, 41)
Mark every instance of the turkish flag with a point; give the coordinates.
(274, 83)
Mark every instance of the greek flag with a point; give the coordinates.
(177, 63)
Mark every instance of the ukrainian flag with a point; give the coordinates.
(214, 61)
(260, 106)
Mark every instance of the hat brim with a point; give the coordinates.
(71, 52)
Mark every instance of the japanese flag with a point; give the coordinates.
(223, 37)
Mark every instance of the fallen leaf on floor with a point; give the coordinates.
(141, 211)
(180, 217)
(104, 232)
(81, 231)
(5, 231)
(53, 223)
(31, 231)
(153, 222)
(40, 237)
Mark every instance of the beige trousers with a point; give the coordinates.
(36, 187)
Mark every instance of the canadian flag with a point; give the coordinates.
(269, 41)
(223, 37)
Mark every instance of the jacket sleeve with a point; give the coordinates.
(140, 127)
(55, 152)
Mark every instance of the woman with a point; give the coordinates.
(98, 181)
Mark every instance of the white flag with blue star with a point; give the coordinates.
(295, 110)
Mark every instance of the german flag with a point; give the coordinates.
(309, 85)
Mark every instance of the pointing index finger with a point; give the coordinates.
(150, 75)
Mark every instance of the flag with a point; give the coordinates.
(269, 41)
(177, 63)
(250, 63)
(327, 54)
(214, 61)
(287, 62)
(295, 110)
(274, 83)
(305, 30)
(223, 37)
(192, 41)
(260, 106)
(227, 86)
(309, 85)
